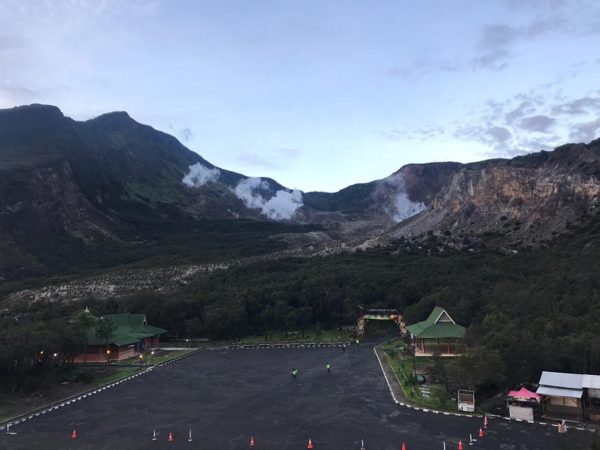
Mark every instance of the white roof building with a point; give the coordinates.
(558, 384)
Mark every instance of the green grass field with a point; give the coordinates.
(404, 366)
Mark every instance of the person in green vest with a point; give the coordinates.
(328, 368)
(295, 374)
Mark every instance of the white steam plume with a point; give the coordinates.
(404, 208)
(199, 175)
(280, 206)
(395, 199)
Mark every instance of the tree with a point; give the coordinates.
(105, 330)
(477, 369)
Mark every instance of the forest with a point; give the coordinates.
(525, 311)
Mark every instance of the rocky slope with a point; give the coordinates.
(111, 191)
(525, 200)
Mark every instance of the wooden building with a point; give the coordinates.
(570, 395)
(131, 336)
(439, 335)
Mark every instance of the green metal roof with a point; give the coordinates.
(129, 329)
(433, 327)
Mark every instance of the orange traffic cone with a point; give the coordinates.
(460, 446)
(74, 435)
(170, 438)
(251, 441)
(481, 433)
(403, 446)
(310, 444)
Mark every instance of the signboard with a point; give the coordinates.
(520, 412)
(466, 401)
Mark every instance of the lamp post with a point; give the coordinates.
(413, 350)
(107, 355)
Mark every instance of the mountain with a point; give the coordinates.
(526, 200)
(77, 196)
(76, 190)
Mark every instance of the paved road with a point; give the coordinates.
(226, 396)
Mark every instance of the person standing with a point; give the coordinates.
(328, 368)
(295, 374)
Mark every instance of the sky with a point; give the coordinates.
(317, 94)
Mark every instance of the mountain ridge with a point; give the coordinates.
(89, 188)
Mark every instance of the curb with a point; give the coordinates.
(476, 416)
(510, 419)
(5, 425)
(416, 408)
(287, 345)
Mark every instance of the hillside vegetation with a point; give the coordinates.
(534, 310)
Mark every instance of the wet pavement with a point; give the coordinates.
(226, 396)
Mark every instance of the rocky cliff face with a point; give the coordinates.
(74, 191)
(524, 200)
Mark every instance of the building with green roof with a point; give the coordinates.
(129, 335)
(439, 334)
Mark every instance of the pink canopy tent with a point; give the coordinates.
(524, 395)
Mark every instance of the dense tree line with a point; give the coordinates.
(41, 339)
(526, 312)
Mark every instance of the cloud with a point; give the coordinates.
(540, 118)
(495, 60)
(423, 133)
(493, 136)
(524, 108)
(537, 123)
(496, 45)
(256, 160)
(581, 105)
(496, 36)
(274, 159)
(281, 206)
(289, 153)
(184, 134)
(585, 132)
(11, 95)
(49, 47)
(499, 135)
(199, 175)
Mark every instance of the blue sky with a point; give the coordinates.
(317, 94)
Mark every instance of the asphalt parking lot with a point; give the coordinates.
(225, 397)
